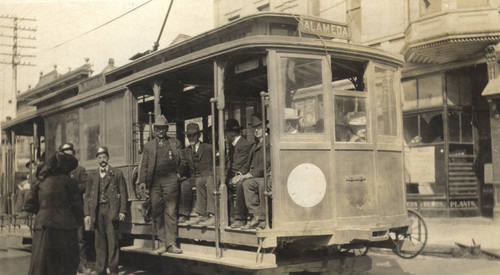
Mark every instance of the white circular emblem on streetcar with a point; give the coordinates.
(306, 185)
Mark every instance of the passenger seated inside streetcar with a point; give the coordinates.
(356, 122)
(250, 194)
(291, 121)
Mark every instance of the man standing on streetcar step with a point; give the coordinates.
(161, 160)
(105, 207)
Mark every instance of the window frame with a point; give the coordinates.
(326, 78)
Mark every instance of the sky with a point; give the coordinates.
(58, 21)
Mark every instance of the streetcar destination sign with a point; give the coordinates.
(323, 27)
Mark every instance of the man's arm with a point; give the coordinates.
(143, 171)
(122, 185)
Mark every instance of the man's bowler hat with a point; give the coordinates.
(102, 150)
(232, 125)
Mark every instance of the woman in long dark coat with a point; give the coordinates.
(55, 239)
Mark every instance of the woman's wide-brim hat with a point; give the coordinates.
(355, 118)
(291, 114)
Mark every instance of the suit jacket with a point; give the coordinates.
(59, 202)
(238, 157)
(203, 166)
(116, 191)
(256, 159)
(80, 175)
(148, 159)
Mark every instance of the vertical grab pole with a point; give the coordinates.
(213, 101)
(264, 96)
(150, 116)
(219, 70)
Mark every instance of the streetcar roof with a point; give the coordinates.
(188, 53)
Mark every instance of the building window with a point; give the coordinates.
(423, 92)
(429, 7)
(114, 116)
(91, 131)
(53, 133)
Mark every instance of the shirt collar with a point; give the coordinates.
(236, 140)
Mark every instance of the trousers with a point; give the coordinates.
(164, 193)
(106, 241)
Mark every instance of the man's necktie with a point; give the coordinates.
(103, 170)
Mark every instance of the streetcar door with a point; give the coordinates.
(301, 151)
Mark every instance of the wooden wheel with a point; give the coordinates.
(411, 243)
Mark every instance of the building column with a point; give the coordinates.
(493, 72)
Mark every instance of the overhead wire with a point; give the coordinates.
(100, 26)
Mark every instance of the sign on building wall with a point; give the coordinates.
(422, 164)
(323, 28)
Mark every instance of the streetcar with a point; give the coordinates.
(337, 181)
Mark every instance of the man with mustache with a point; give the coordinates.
(105, 206)
(159, 172)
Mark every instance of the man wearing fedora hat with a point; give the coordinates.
(236, 162)
(105, 206)
(199, 161)
(160, 168)
(80, 175)
(249, 191)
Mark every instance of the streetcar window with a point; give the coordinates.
(348, 86)
(303, 95)
(71, 125)
(350, 119)
(115, 128)
(91, 131)
(385, 96)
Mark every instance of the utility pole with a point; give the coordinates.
(16, 59)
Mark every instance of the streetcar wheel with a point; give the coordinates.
(361, 251)
(410, 244)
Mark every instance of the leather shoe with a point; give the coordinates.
(238, 224)
(253, 223)
(160, 250)
(197, 220)
(174, 249)
(209, 222)
(182, 219)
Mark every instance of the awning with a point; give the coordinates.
(492, 89)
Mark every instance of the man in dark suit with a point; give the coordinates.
(105, 207)
(253, 181)
(237, 165)
(160, 164)
(199, 160)
(80, 175)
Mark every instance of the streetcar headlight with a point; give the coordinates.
(306, 185)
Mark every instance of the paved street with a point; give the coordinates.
(16, 262)
(392, 264)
